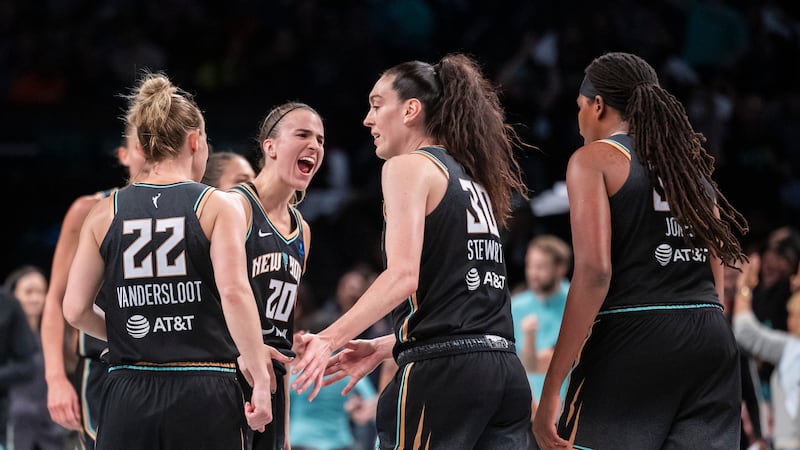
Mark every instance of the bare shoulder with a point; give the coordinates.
(223, 200)
(410, 166)
(79, 210)
(234, 197)
(99, 217)
(598, 155)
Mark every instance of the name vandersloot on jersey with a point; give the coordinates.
(154, 294)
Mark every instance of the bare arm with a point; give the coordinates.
(86, 274)
(590, 219)
(529, 355)
(359, 358)
(306, 243)
(53, 329)
(224, 220)
(760, 341)
(407, 182)
(62, 400)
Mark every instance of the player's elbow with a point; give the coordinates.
(234, 293)
(596, 274)
(73, 312)
(407, 281)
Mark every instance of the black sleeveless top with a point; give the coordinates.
(462, 287)
(275, 265)
(652, 264)
(159, 294)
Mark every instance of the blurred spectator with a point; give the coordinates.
(17, 353)
(332, 421)
(780, 348)
(779, 261)
(537, 312)
(29, 420)
(753, 402)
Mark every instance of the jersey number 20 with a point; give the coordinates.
(281, 303)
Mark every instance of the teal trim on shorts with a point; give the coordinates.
(580, 447)
(660, 307)
(403, 387)
(89, 427)
(173, 368)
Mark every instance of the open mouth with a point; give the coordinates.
(306, 164)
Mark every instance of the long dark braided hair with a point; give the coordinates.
(672, 152)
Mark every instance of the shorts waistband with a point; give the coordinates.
(488, 342)
(183, 366)
(681, 306)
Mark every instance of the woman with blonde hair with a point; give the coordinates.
(165, 259)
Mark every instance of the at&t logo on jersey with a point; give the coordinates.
(138, 326)
(494, 280)
(473, 279)
(665, 254)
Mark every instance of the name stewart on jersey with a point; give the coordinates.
(485, 250)
(275, 261)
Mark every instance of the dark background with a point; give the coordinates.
(65, 64)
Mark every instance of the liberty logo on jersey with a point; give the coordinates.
(138, 326)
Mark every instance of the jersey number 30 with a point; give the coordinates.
(482, 221)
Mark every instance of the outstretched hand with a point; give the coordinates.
(316, 349)
(358, 359)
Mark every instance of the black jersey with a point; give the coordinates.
(653, 265)
(159, 294)
(275, 264)
(462, 287)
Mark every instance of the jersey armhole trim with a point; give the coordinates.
(624, 150)
(202, 199)
(435, 160)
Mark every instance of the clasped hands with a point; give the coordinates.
(319, 366)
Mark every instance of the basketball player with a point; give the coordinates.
(447, 184)
(291, 142)
(62, 399)
(165, 257)
(225, 170)
(656, 365)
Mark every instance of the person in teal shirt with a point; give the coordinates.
(324, 424)
(538, 310)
